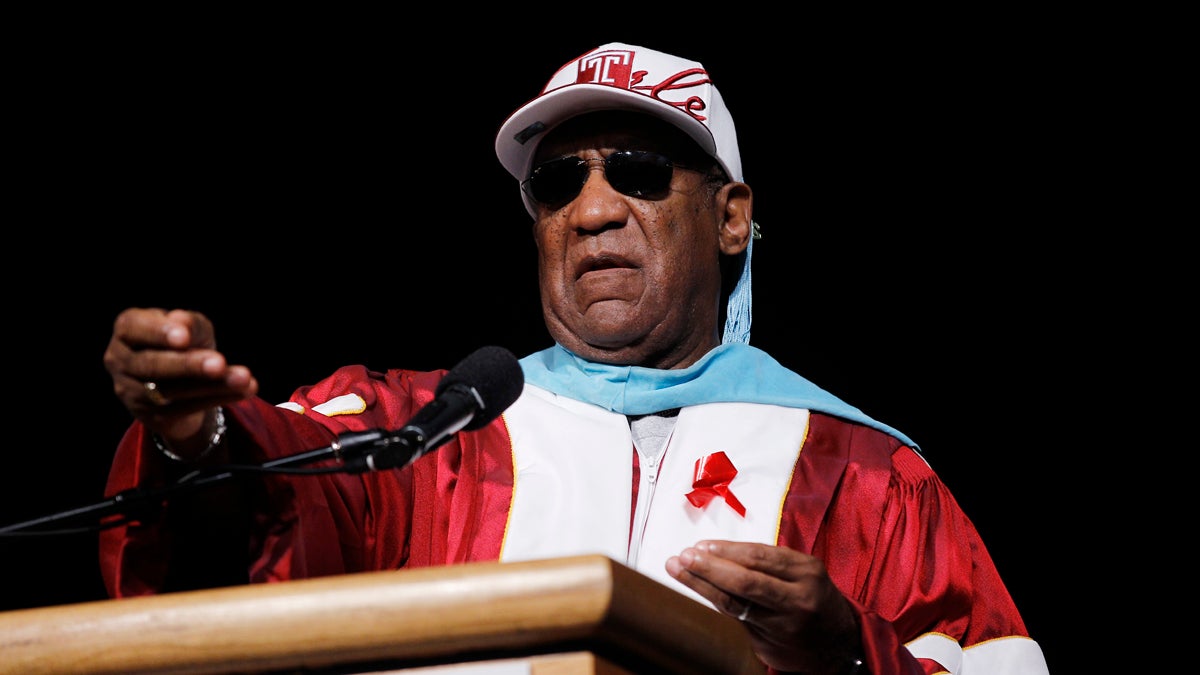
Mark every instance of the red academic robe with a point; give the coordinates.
(891, 535)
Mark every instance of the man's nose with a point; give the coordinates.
(598, 204)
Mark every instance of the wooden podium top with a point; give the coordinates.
(399, 619)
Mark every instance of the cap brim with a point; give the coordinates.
(558, 106)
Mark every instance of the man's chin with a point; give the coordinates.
(606, 350)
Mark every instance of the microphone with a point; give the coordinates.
(471, 395)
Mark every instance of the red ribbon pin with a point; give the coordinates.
(712, 476)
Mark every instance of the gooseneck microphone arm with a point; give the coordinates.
(139, 502)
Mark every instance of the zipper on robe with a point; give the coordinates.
(650, 465)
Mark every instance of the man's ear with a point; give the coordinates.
(737, 217)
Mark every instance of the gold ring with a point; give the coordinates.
(154, 394)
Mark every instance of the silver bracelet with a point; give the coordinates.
(217, 437)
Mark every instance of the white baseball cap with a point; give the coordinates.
(619, 76)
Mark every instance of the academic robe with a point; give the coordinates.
(555, 476)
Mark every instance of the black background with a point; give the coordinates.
(327, 192)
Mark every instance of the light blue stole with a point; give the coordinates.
(731, 372)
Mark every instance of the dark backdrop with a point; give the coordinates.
(330, 196)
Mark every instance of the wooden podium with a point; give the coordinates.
(576, 615)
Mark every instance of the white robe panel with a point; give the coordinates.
(574, 464)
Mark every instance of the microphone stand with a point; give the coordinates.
(349, 445)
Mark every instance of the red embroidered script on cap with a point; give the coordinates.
(712, 476)
(615, 69)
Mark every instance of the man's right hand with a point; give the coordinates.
(167, 372)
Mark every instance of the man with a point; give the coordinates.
(660, 440)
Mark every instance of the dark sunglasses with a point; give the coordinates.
(645, 175)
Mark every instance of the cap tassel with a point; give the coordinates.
(738, 313)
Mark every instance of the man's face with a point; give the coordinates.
(630, 279)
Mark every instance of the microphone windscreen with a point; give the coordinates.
(496, 376)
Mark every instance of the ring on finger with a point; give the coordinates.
(745, 612)
(154, 393)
